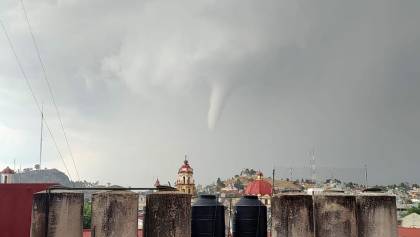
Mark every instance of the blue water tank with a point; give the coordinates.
(208, 217)
(250, 218)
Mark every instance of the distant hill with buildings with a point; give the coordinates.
(42, 176)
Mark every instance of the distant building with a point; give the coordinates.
(411, 221)
(261, 188)
(312, 191)
(7, 176)
(230, 188)
(185, 181)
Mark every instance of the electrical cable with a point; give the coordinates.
(44, 71)
(28, 84)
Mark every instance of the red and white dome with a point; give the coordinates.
(185, 168)
(259, 186)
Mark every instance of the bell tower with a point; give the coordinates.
(7, 176)
(185, 181)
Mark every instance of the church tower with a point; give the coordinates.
(185, 181)
(7, 176)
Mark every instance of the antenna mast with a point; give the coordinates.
(313, 166)
(366, 176)
(42, 128)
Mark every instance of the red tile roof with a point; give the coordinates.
(408, 232)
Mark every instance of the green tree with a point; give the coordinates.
(219, 184)
(238, 184)
(414, 209)
(87, 215)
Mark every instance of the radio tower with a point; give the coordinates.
(313, 166)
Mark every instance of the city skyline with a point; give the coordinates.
(233, 85)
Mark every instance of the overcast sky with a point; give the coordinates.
(233, 84)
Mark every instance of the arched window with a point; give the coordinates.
(183, 179)
(5, 179)
(189, 190)
(188, 181)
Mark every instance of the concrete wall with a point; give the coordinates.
(292, 215)
(168, 214)
(114, 214)
(376, 215)
(57, 214)
(335, 215)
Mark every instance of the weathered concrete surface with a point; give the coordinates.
(114, 214)
(57, 214)
(335, 215)
(292, 215)
(168, 214)
(376, 215)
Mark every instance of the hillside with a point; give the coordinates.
(43, 176)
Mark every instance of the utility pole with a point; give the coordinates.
(272, 195)
(272, 187)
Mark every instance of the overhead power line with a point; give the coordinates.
(44, 71)
(28, 84)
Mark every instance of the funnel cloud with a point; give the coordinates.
(235, 84)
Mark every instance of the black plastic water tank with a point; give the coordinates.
(250, 218)
(208, 217)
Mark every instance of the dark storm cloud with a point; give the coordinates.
(235, 84)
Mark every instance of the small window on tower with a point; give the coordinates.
(183, 179)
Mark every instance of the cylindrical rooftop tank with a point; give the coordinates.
(208, 217)
(250, 218)
(335, 215)
(376, 215)
(292, 215)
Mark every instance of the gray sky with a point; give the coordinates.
(233, 84)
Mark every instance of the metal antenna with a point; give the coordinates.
(366, 176)
(42, 128)
(313, 166)
(291, 174)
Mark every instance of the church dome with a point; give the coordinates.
(259, 186)
(185, 168)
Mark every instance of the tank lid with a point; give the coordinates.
(250, 197)
(208, 196)
(207, 200)
(249, 200)
(374, 190)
